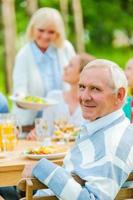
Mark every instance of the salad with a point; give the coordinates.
(65, 128)
(40, 150)
(34, 99)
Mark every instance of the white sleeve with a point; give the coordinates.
(20, 74)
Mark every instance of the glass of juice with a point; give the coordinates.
(9, 130)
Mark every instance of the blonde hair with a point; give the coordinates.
(44, 17)
(85, 58)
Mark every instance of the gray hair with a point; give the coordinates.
(117, 79)
(44, 17)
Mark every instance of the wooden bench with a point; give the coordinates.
(30, 184)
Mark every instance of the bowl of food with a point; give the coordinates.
(32, 102)
(65, 130)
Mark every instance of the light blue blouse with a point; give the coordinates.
(48, 65)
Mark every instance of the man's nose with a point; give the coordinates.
(86, 95)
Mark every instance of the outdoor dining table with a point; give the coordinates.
(12, 163)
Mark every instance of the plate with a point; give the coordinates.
(56, 138)
(33, 105)
(48, 156)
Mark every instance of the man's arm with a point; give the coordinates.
(60, 181)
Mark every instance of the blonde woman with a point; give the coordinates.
(39, 64)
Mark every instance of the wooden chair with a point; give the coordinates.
(30, 184)
(126, 193)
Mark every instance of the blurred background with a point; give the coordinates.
(100, 27)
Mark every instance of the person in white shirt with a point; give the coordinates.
(39, 64)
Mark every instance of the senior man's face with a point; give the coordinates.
(96, 96)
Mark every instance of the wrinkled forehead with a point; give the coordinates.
(96, 75)
(96, 70)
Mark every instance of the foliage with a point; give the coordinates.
(118, 55)
(101, 19)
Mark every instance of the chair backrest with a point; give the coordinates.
(30, 184)
(126, 193)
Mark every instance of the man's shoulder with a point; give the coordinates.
(129, 130)
(126, 137)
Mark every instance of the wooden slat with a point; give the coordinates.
(130, 178)
(45, 198)
(29, 189)
(125, 193)
(36, 184)
(30, 184)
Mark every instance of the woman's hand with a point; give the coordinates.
(31, 135)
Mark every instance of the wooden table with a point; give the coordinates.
(12, 165)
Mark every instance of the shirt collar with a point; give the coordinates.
(50, 52)
(93, 126)
(36, 52)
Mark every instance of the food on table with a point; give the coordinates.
(34, 99)
(43, 150)
(63, 128)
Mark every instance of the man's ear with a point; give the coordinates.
(120, 95)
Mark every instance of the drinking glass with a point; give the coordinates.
(41, 128)
(9, 130)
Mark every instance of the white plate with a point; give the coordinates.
(33, 105)
(71, 138)
(48, 156)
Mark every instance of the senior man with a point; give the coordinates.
(101, 159)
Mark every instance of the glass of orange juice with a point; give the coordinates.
(8, 132)
(8, 137)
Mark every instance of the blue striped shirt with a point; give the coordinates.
(102, 156)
